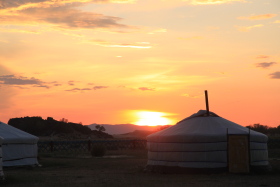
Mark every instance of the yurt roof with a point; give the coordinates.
(10, 134)
(201, 127)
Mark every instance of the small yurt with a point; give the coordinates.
(17, 148)
(205, 141)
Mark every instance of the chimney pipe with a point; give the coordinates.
(206, 100)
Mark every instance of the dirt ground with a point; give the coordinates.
(122, 171)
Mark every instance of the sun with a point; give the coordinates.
(149, 118)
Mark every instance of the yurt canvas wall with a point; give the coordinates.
(1, 165)
(17, 148)
(200, 142)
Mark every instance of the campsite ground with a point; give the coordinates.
(120, 171)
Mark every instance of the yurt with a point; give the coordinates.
(17, 148)
(205, 141)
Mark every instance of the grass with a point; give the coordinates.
(119, 172)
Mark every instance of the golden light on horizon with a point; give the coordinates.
(149, 118)
(110, 63)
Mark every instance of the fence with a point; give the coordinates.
(77, 147)
(273, 146)
(86, 145)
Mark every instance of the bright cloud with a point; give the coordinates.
(209, 2)
(20, 31)
(246, 29)
(103, 43)
(146, 89)
(157, 31)
(258, 17)
(192, 96)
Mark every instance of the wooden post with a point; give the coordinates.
(249, 147)
(207, 104)
(227, 152)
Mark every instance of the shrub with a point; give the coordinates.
(98, 150)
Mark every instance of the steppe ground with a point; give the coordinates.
(121, 169)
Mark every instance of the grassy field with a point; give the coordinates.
(121, 169)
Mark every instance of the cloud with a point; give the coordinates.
(78, 89)
(139, 45)
(99, 87)
(41, 86)
(13, 80)
(86, 89)
(210, 2)
(157, 31)
(265, 65)
(71, 83)
(146, 89)
(26, 4)
(258, 17)
(73, 19)
(62, 14)
(277, 21)
(55, 83)
(275, 75)
(262, 56)
(192, 96)
(20, 31)
(246, 29)
(23, 82)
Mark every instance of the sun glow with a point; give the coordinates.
(148, 118)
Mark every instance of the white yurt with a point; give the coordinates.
(17, 148)
(205, 141)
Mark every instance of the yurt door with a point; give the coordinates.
(238, 153)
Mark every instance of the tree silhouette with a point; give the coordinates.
(265, 129)
(100, 128)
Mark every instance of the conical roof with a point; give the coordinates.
(200, 127)
(10, 134)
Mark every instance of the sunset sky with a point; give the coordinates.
(140, 61)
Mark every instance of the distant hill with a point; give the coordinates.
(125, 128)
(137, 134)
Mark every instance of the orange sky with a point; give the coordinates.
(95, 61)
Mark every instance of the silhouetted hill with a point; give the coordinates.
(126, 128)
(50, 127)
